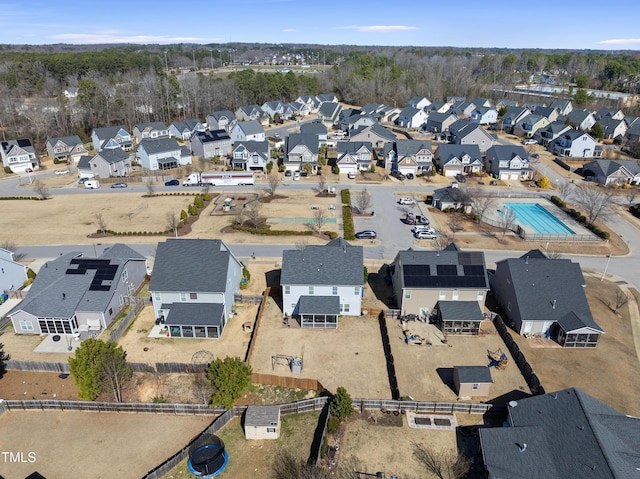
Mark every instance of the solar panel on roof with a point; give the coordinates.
(470, 258)
(447, 270)
(473, 270)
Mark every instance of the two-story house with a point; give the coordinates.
(329, 113)
(529, 125)
(321, 283)
(311, 101)
(419, 102)
(252, 112)
(12, 274)
(300, 150)
(250, 155)
(77, 294)
(465, 132)
(222, 120)
(575, 143)
(508, 162)
(209, 144)
(440, 122)
(484, 115)
(580, 119)
(273, 108)
(564, 106)
(66, 148)
(185, 128)
(154, 130)
(19, 155)
(353, 156)
(247, 131)
(408, 156)
(164, 154)
(546, 135)
(315, 128)
(512, 117)
(115, 163)
(376, 134)
(192, 286)
(453, 159)
(412, 118)
(111, 137)
(614, 128)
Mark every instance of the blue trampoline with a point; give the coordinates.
(210, 459)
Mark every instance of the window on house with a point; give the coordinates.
(26, 325)
(442, 295)
(407, 294)
(183, 297)
(475, 386)
(334, 290)
(455, 295)
(193, 295)
(156, 297)
(344, 308)
(480, 295)
(125, 275)
(271, 429)
(356, 290)
(311, 289)
(287, 290)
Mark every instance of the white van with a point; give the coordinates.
(351, 175)
(92, 184)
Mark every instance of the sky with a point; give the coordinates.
(566, 24)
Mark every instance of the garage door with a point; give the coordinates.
(348, 169)
(514, 176)
(504, 176)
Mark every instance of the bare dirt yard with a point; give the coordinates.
(610, 372)
(76, 444)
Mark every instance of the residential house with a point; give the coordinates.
(438, 107)
(455, 99)
(454, 159)
(250, 155)
(300, 150)
(252, 112)
(354, 156)
(77, 294)
(19, 155)
(247, 131)
(209, 144)
(111, 137)
(529, 125)
(484, 115)
(185, 128)
(613, 114)
(472, 381)
(321, 283)
(564, 106)
(580, 119)
(376, 134)
(114, 163)
(298, 109)
(154, 130)
(512, 117)
(329, 113)
(423, 278)
(273, 108)
(408, 156)
(192, 286)
(311, 101)
(614, 172)
(66, 148)
(419, 102)
(506, 103)
(508, 162)
(412, 118)
(222, 120)
(543, 296)
(440, 122)
(355, 119)
(463, 108)
(381, 113)
(614, 129)
(327, 97)
(164, 154)
(451, 197)
(551, 114)
(12, 274)
(633, 132)
(546, 135)
(557, 434)
(70, 92)
(315, 128)
(262, 422)
(575, 143)
(482, 102)
(464, 132)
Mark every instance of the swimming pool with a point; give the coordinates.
(536, 217)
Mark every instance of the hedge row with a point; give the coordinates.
(580, 218)
(347, 223)
(37, 198)
(635, 210)
(134, 233)
(268, 232)
(346, 197)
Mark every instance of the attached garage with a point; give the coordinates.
(509, 176)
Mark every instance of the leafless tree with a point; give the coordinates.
(202, 387)
(593, 199)
(455, 224)
(363, 201)
(442, 241)
(253, 214)
(506, 219)
(42, 190)
(442, 463)
(205, 189)
(565, 190)
(151, 187)
(288, 466)
(632, 195)
(622, 299)
(322, 183)
(274, 180)
(102, 224)
(480, 203)
(12, 247)
(318, 221)
(172, 222)
(301, 244)
(553, 254)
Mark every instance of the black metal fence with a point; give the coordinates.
(386, 346)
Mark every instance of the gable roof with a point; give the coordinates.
(113, 156)
(329, 109)
(577, 116)
(22, 143)
(211, 135)
(295, 139)
(560, 435)
(261, 416)
(456, 150)
(186, 125)
(608, 167)
(217, 115)
(375, 129)
(195, 265)
(259, 147)
(313, 128)
(335, 263)
(474, 374)
(159, 146)
(352, 147)
(251, 127)
(69, 141)
(150, 125)
(507, 152)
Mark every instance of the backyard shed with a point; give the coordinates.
(262, 422)
(471, 381)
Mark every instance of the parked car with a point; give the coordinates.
(62, 172)
(425, 235)
(461, 178)
(172, 183)
(410, 176)
(28, 170)
(287, 173)
(366, 234)
(410, 219)
(421, 220)
(529, 141)
(406, 201)
(296, 175)
(82, 180)
(397, 174)
(121, 184)
(417, 228)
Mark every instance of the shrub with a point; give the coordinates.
(556, 200)
(193, 211)
(184, 217)
(269, 167)
(7, 169)
(333, 425)
(625, 186)
(198, 203)
(543, 183)
(282, 168)
(341, 406)
(372, 169)
(346, 197)
(347, 223)
(335, 170)
(331, 234)
(206, 197)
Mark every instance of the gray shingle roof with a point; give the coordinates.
(194, 314)
(259, 147)
(460, 310)
(69, 141)
(474, 374)
(343, 147)
(251, 127)
(608, 167)
(319, 305)
(295, 139)
(567, 434)
(194, 265)
(108, 132)
(332, 264)
(163, 145)
(113, 156)
(186, 125)
(262, 416)
(151, 125)
(313, 128)
(212, 135)
(375, 129)
(507, 152)
(447, 151)
(222, 114)
(83, 162)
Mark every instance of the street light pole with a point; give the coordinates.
(607, 265)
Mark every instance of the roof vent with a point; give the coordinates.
(522, 447)
(553, 304)
(64, 296)
(526, 260)
(513, 403)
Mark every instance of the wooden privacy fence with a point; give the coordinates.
(44, 367)
(126, 322)
(424, 407)
(256, 326)
(288, 382)
(95, 406)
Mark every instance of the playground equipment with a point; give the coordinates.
(292, 362)
(498, 359)
(411, 338)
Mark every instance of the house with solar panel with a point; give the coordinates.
(78, 294)
(449, 284)
(192, 286)
(19, 155)
(321, 283)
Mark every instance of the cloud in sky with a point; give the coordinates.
(620, 41)
(115, 36)
(379, 28)
(288, 30)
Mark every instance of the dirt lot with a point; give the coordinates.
(75, 444)
(610, 372)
